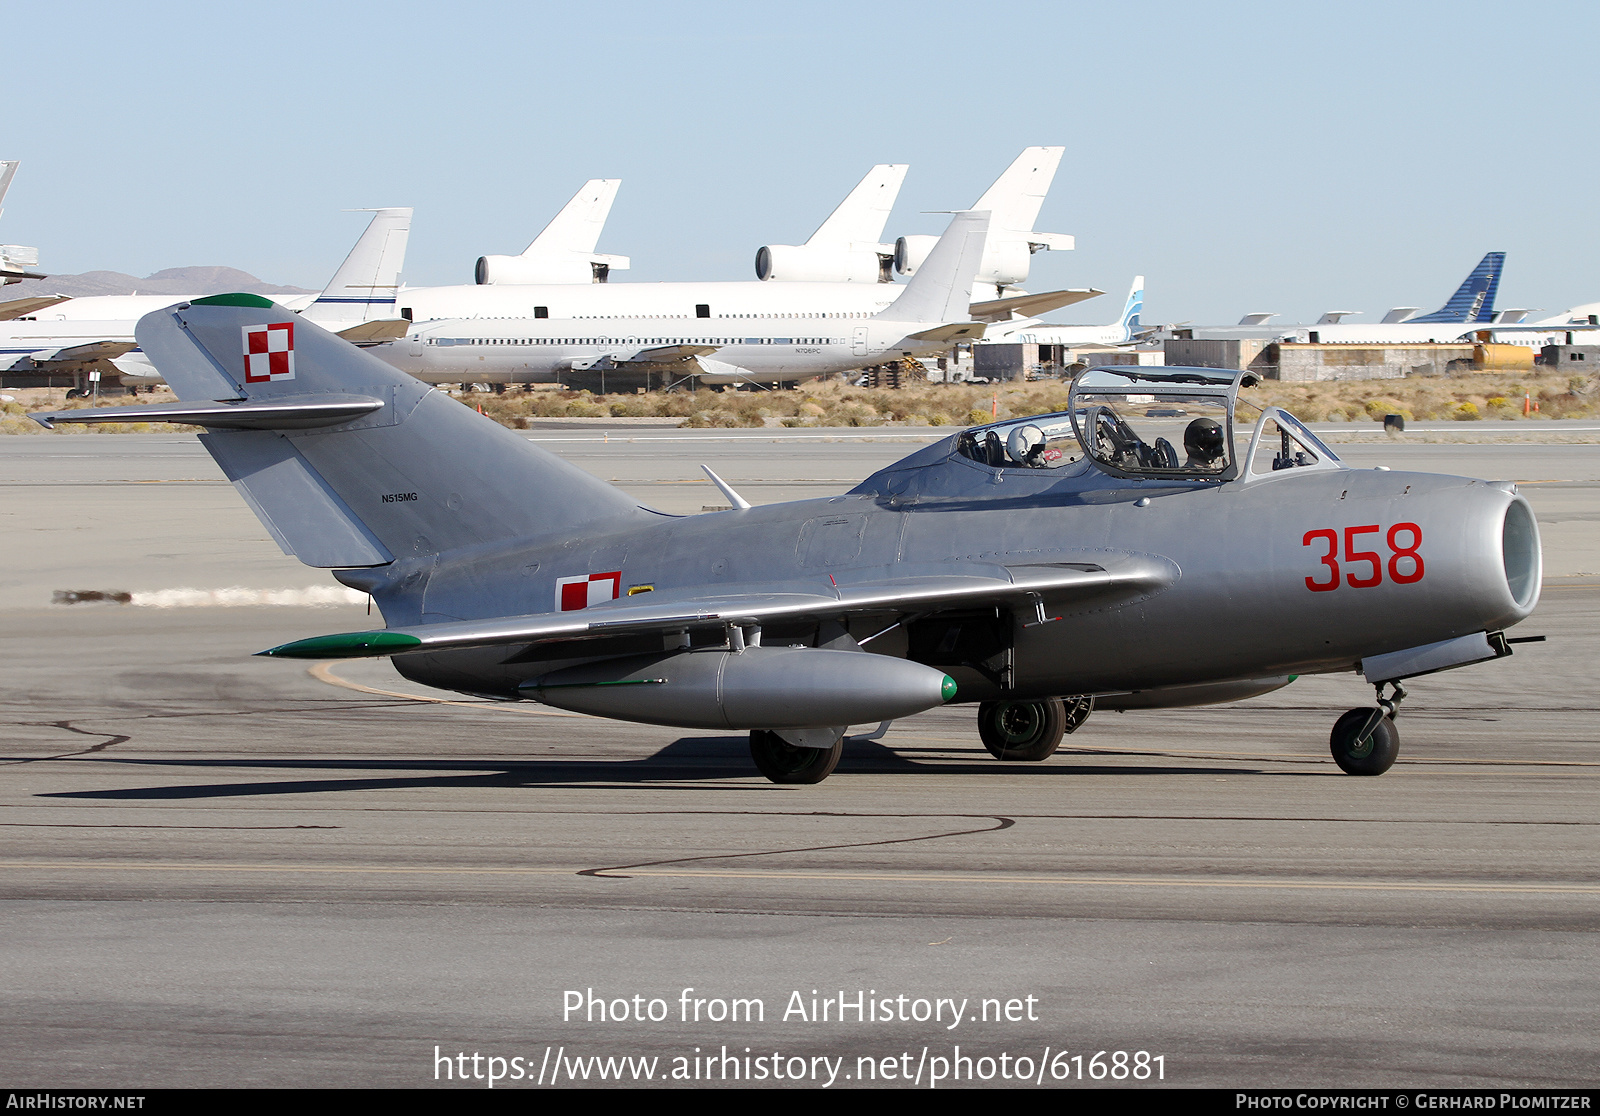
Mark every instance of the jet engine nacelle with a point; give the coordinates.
(801, 263)
(576, 268)
(1004, 264)
(756, 688)
(910, 251)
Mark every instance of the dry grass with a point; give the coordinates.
(833, 403)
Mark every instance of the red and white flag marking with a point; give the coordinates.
(587, 589)
(269, 352)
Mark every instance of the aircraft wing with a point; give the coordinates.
(1073, 584)
(82, 354)
(21, 307)
(667, 354)
(376, 332)
(1029, 305)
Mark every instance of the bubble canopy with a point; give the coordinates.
(1133, 422)
(1158, 422)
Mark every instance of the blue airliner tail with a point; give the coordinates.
(1135, 304)
(1474, 299)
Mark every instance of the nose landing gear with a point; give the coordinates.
(1364, 741)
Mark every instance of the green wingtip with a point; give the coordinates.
(947, 689)
(346, 645)
(237, 299)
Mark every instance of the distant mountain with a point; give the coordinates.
(172, 281)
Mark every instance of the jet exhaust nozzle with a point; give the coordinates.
(757, 688)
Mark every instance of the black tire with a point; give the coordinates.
(1372, 755)
(782, 762)
(1022, 730)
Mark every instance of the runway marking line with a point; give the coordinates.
(865, 877)
(323, 672)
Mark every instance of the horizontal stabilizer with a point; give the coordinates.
(950, 334)
(677, 613)
(1051, 242)
(303, 413)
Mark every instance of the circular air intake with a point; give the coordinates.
(1519, 548)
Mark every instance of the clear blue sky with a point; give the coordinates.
(1248, 156)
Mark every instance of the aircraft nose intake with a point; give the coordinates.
(1520, 554)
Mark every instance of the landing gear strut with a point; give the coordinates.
(1365, 741)
(782, 762)
(1030, 730)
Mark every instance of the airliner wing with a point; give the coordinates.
(375, 332)
(667, 354)
(84, 354)
(18, 308)
(1029, 305)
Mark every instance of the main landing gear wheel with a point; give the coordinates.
(1360, 750)
(1024, 730)
(782, 762)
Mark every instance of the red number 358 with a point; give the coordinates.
(1367, 566)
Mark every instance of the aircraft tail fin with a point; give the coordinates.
(365, 286)
(941, 290)
(349, 462)
(860, 218)
(578, 226)
(8, 170)
(1014, 200)
(1474, 299)
(1133, 307)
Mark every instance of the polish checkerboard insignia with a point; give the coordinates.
(587, 589)
(268, 352)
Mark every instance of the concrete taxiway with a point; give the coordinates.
(219, 870)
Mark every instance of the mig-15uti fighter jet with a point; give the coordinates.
(1141, 550)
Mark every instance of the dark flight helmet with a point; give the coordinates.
(1204, 442)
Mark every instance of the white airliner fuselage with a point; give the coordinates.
(651, 352)
(714, 300)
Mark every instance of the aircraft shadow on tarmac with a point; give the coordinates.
(694, 759)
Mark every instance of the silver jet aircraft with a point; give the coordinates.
(1140, 550)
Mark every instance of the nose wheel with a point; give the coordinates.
(1365, 741)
